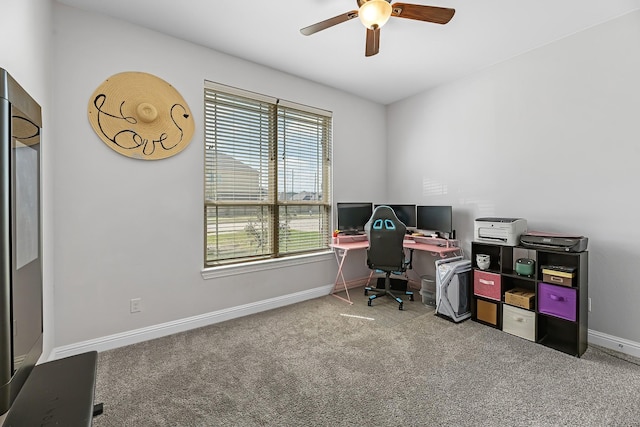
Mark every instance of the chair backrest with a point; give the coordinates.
(386, 234)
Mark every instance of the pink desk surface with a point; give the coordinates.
(408, 244)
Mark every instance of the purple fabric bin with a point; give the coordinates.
(558, 301)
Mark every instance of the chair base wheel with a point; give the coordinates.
(377, 293)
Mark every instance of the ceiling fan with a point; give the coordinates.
(375, 13)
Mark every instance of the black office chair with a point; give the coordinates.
(386, 253)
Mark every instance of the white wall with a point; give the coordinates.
(548, 136)
(551, 136)
(25, 45)
(128, 228)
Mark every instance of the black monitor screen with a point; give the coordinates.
(435, 218)
(353, 216)
(405, 213)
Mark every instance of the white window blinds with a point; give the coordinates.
(267, 169)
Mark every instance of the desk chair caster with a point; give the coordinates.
(367, 289)
(398, 300)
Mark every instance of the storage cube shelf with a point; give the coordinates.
(557, 315)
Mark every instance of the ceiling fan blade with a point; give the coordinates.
(323, 25)
(438, 15)
(373, 42)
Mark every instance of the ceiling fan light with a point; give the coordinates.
(374, 13)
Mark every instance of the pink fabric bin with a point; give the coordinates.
(486, 285)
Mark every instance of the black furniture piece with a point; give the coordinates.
(21, 331)
(58, 393)
(386, 253)
(555, 314)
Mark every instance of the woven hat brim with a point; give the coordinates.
(141, 116)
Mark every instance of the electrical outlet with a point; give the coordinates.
(589, 303)
(135, 305)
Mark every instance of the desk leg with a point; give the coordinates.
(340, 261)
(369, 279)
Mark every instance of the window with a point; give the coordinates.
(267, 169)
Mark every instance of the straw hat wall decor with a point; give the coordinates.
(141, 116)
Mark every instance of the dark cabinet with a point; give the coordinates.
(548, 306)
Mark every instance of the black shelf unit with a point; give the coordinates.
(562, 334)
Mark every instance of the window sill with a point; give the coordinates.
(270, 264)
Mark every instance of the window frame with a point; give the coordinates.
(273, 201)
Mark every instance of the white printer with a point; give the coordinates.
(503, 231)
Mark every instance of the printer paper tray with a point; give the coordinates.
(496, 239)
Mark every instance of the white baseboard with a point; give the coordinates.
(156, 331)
(355, 283)
(614, 343)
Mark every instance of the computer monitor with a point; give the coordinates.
(435, 218)
(405, 213)
(352, 216)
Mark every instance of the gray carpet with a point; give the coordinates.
(325, 363)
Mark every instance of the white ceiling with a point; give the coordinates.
(414, 56)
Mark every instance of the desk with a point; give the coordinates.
(342, 249)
